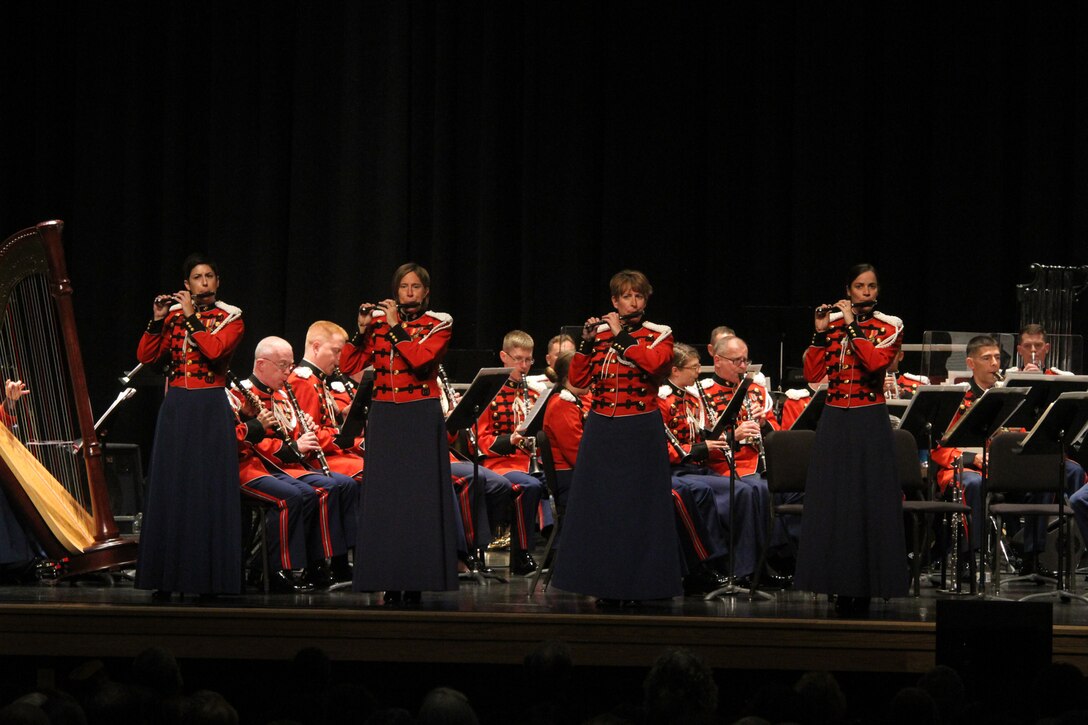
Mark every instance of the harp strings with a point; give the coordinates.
(31, 350)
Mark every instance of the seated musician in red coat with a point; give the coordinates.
(510, 454)
(298, 451)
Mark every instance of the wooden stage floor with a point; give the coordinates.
(493, 624)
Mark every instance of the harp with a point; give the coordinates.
(51, 465)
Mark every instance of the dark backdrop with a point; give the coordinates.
(742, 154)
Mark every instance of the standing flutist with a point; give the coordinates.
(619, 541)
(407, 528)
(192, 517)
(852, 531)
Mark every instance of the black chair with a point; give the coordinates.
(254, 542)
(544, 448)
(788, 453)
(922, 505)
(1009, 472)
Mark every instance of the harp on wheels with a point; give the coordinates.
(51, 465)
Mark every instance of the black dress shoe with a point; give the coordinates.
(160, 596)
(319, 575)
(392, 599)
(521, 563)
(471, 564)
(703, 580)
(773, 579)
(412, 599)
(1032, 565)
(341, 569)
(285, 582)
(481, 561)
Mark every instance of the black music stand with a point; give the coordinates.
(932, 408)
(974, 430)
(727, 420)
(811, 414)
(356, 416)
(1060, 424)
(465, 416)
(1044, 390)
(534, 419)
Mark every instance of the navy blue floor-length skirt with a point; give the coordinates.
(191, 540)
(852, 530)
(619, 535)
(407, 522)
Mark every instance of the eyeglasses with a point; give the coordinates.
(693, 367)
(738, 361)
(283, 365)
(520, 360)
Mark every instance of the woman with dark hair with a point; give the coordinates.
(619, 539)
(190, 541)
(407, 530)
(852, 531)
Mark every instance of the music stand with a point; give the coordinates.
(1045, 389)
(811, 414)
(465, 416)
(728, 420)
(534, 420)
(973, 430)
(1060, 424)
(932, 408)
(356, 416)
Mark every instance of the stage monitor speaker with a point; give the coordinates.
(995, 646)
(124, 480)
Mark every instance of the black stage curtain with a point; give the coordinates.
(743, 154)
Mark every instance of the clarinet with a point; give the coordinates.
(711, 411)
(451, 403)
(675, 443)
(255, 403)
(756, 442)
(305, 428)
(349, 384)
(956, 524)
(530, 443)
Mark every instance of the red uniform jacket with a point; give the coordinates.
(623, 370)
(682, 412)
(759, 404)
(854, 358)
(507, 410)
(405, 357)
(198, 347)
(270, 447)
(309, 384)
(563, 422)
(797, 399)
(6, 418)
(944, 457)
(908, 384)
